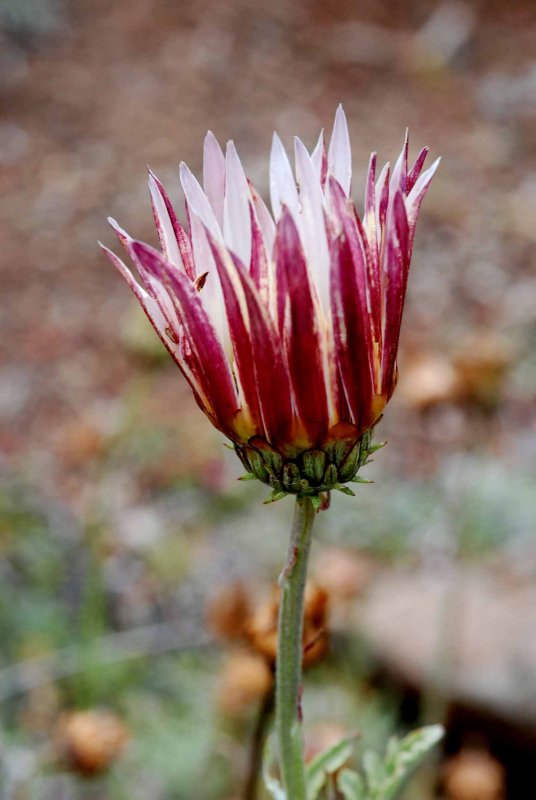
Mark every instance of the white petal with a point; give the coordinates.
(311, 222)
(414, 198)
(236, 214)
(214, 175)
(339, 153)
(197, 201)
(283, 189)
(211, 294)
(317, 156)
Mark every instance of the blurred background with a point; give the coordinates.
(136, 575)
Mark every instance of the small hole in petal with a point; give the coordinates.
(172, 335)
(200, 281)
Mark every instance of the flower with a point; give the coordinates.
(285, 325)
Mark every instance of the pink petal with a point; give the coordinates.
(214, 175)
(259, 264)
(339, 153)
(173, 238)
(168, 334)
(416, 169)
(207, 354)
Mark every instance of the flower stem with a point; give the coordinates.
(290, 652)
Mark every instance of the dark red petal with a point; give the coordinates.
(301, 330)
(353, 341)
(396, 266)
(416, 169)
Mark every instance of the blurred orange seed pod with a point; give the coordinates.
(90, 741)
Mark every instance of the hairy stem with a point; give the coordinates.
(290, 652)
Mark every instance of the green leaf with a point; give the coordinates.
(385, 779)
(405, 754)
(327, 763)
(271, 783)
(351, 785)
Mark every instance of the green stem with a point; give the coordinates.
(290, 652)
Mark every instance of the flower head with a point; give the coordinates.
(285, 324)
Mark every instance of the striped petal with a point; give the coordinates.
(301, 331)
(173, 238)
(396, 268)
(351, 334)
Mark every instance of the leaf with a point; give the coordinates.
(327, 763)
(385, 779)
(404, 755)
(271, 783)
(351, 785)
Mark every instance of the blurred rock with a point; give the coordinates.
(90, 741)
(468, 633)
(474, 774)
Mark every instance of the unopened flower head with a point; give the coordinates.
(285, 324)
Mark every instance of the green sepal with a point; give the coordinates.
(374, 447)
(344, 489)
(314, 464)
(249, 476)
(275, 496)
(359, 479)
(316, 500)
